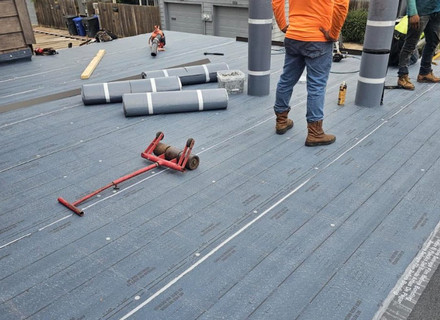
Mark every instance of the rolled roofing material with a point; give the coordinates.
(143, 104)
(190, 75)
(99, 93)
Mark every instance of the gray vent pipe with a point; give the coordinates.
(98, 93)
(259, 47)
(144, 104)
(376, 52)
(190, 75)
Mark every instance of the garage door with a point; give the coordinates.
(185, 17)
(230, 21)
(233, 22)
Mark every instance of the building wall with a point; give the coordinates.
(202, 18)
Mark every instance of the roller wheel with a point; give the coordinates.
(159, 133)
(193, 162)
(190, 142)
(161, 148)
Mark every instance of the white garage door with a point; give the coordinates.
(233, 22)
(185, 17)
(230, 21)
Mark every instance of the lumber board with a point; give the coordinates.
(92, 65)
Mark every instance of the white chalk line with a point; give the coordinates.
(13, 241)
(221, 245)
(18, 93)
(37, 116)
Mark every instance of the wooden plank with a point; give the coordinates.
(25, 21)
(7, 9)
(10, 25)
(92, 65)
(12, 41)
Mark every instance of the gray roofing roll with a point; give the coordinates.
(143, 104)
(100, 93)
(190, 75)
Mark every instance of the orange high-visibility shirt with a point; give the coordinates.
(307, 16)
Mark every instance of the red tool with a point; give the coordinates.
(177, 160)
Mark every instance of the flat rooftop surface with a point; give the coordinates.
(264, 228)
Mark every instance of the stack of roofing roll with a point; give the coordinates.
(148, 103)
(161, 91)
(111, 92)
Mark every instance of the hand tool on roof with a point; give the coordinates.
(161, 154)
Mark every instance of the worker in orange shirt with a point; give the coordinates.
(312, 28)
(156, 40)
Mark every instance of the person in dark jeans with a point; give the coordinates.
(424, 16)
(312, 28)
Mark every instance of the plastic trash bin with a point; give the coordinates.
(79, 26)
(91, 26)
(71, 25)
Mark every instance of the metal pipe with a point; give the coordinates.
(376, 50)
(259, 47)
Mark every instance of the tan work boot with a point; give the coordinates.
(283, 123)
(428, 78)
(316, 136)
(404, 83)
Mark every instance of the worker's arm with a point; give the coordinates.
(340, 10)
(278, 7)
(413, 16)
(411, 8)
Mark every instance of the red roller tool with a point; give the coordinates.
(158, 152)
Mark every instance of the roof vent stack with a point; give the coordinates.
(377, 43)
(259, 47)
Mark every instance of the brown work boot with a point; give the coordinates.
(430, 77)
(404, 83)
(316, 136)
(283, 123)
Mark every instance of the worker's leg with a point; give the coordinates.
(293, 68)
(411, 40)
(432, 32)
(318, 61)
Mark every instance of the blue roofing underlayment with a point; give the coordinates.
(264, 228)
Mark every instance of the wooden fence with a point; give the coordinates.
(124, 20)
(359, 4)
(50, 13)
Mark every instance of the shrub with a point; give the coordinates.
(354, 26)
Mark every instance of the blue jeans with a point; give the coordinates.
(317, 57)
(430, 25)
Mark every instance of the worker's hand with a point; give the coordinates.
(284, 30)
(327, 34)
(414, 21)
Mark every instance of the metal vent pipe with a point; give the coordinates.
(259, 47)
(376, 51)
